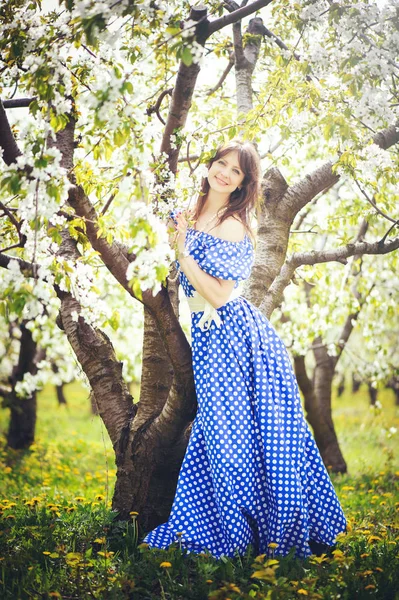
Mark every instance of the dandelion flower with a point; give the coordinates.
(165, 565)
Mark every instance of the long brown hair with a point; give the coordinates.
(241, 202)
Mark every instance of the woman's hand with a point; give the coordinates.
(181, 229)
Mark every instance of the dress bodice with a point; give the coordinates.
(218, 257)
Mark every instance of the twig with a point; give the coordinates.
(156, 107)
(373, 204)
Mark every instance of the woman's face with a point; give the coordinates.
(225, 174)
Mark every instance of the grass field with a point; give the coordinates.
(58, 538)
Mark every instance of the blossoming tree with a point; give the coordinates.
(114, 121)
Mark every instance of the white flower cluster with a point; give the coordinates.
(162, 187)
(188, 30)
(151, 254)
(313, 10)
(38, 293)
(197, 52)
(82, 285)
(355, 56)
(30, 384)
(372, 161)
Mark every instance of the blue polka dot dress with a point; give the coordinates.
(252, 473)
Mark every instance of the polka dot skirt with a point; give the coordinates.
(252, 473)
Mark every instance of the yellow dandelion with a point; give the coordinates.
(303, 592)
(272, 545)
(347, 488)
(379, 569)
(100, 497)
(165, 565)
(209, 581)
(7, 470)
(370, 587)
(319, 559)
(260, 558)
(71, 509)
(100, 540)
(106, 554)
(133, 513)
(47, 553)
(373, 538)
(79, 499)
(364, 555)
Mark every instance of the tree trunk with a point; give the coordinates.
(341, 386)
(60, 394)
(21, 430)
(393, 384)
(317, 396)
(356, 383)
(373, 394)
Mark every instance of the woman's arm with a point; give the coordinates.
(215, 291)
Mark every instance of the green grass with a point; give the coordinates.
(59, 539)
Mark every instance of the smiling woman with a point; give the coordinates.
(252, 473)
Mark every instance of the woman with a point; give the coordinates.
(252, 473)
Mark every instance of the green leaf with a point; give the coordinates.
(137, 289)
(186, 56)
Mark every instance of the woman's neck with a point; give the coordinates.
(214, 202)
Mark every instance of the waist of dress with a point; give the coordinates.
(197, 303)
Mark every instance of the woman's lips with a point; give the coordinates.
(220, 181)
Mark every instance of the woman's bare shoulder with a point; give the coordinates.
(231, 229)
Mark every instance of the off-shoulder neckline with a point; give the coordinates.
(215, 237)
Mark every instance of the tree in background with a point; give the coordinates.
(120, 124)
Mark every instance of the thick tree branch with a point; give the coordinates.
(27, 269)
(187, 75)
(298, 195)
(235, 16)
(18, 102)
(7, 140)
(274, 295)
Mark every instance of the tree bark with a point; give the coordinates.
(21, 430)
(317, 399)
(60, 394)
